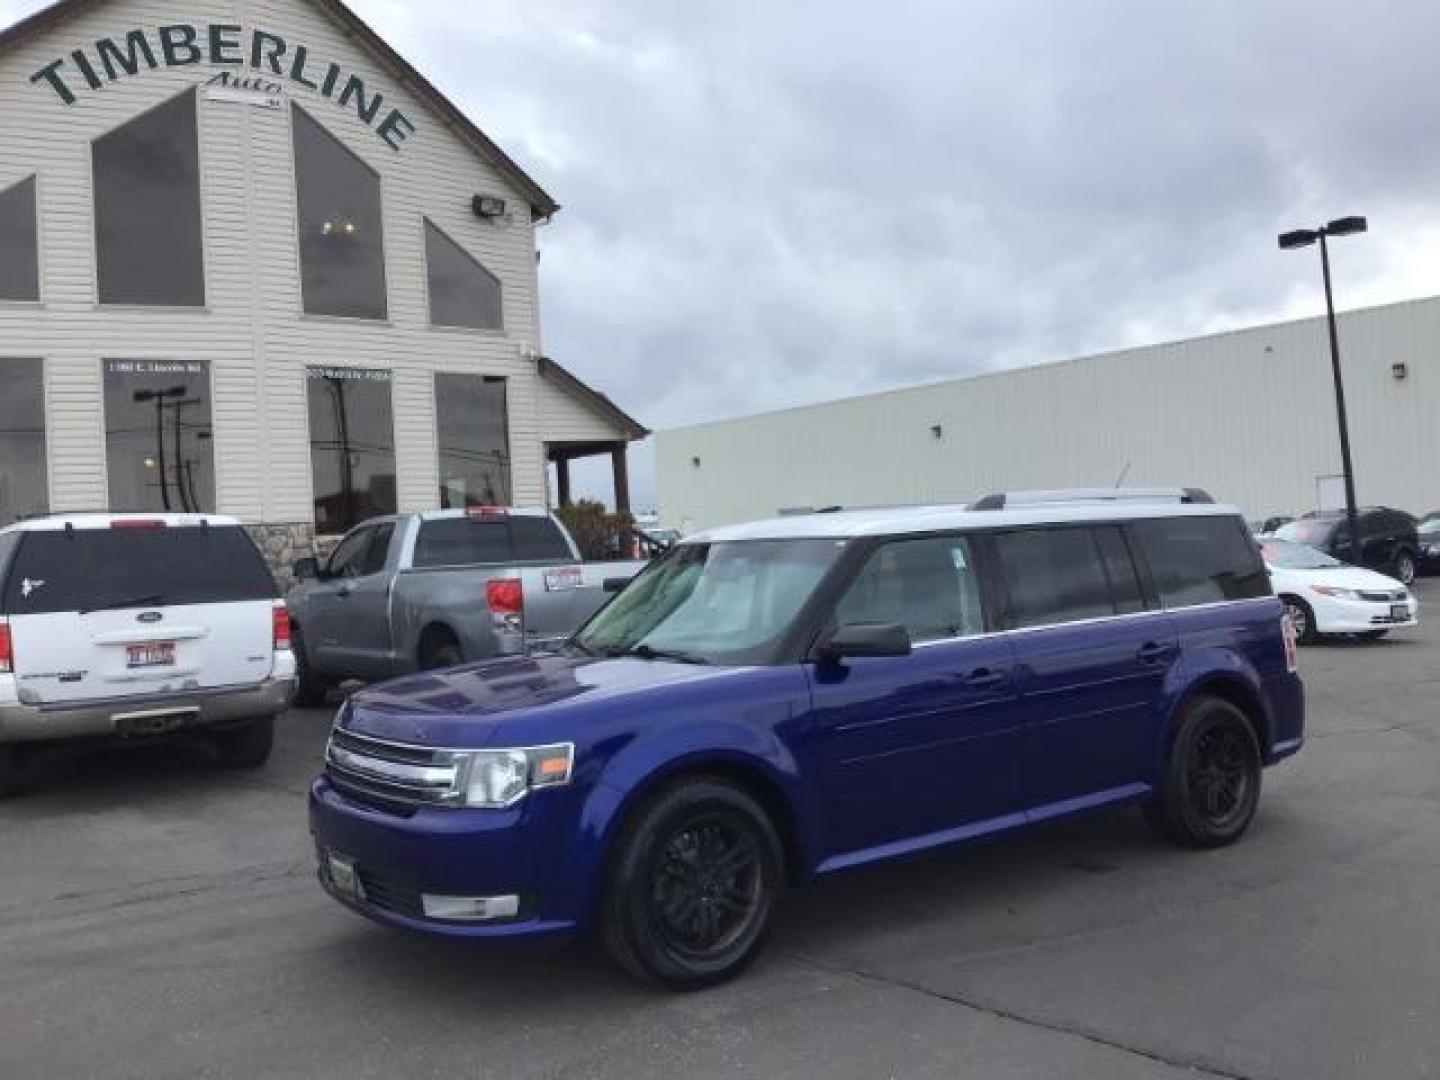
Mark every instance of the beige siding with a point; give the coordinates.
(1248, 415)
(252, 331)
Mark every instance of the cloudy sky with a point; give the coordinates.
(769, 203)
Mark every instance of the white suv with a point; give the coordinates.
(129, 626)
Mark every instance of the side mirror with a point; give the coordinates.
(865, 639)
(306, 569)
(615, 584)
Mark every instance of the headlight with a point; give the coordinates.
(1339, 594)
(500, 778)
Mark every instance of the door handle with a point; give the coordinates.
(985, 679)
(1154, 652)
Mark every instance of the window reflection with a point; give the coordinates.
(474, 441)
(19, 262)
(352, 446)
(148, 243)
(342, 243)
(159, 443)
(462, 292)
(22, 440)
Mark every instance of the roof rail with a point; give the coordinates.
(1009, 500)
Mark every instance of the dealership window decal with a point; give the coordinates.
(229, 46)
(159, 443)
(19, 243)
(352, 446)
(148, 232)
(342, 235)
(474, 440)
(462, 292)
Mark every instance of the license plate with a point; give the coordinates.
(341, 870)
(1400, 612)
(151, 654)
(564, 579)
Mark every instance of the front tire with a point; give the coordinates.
(1302, 618)
(693, 886)
(1212, 779)
(9, 770)
(247, 746)
(1405, 568)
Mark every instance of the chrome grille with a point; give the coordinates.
(392, 771)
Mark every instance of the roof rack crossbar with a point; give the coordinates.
(1010, 500)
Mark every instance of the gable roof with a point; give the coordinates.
(592, 399)
(540, 201)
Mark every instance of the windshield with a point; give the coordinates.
(1429, 527)
(1313, 531)
(726, 603)
(1290, 556)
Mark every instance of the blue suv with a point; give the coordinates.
(779, 701)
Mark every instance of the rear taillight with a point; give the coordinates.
(281, 623)
(1292, 656)
(505, 596)
(7, 649)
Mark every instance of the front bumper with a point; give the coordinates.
(213, 707)
(398, 857)
(1336, 616)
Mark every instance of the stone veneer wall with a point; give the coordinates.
(283, 544)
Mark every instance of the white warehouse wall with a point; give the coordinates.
(1248, 415)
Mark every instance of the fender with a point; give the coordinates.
(646, 763)
(1205, 669)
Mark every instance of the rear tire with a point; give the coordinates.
(693, 885)
(311, 689)
(247, 746)
(1302, 618)
(1212, 779)
(443, 653)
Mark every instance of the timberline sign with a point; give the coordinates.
(269, 55)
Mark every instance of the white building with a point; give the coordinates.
(1248, 415)
(252, 262)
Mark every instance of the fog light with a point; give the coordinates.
(474, 908)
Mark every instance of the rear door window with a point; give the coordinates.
(1201, 560)
(86, 569)
(927, 586)
(1054, 576)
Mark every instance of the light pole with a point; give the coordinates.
(1289, 241)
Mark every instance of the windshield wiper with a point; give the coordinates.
(131, 601)
(649, 652)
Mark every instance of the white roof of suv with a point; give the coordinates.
(886, 521)
(57, 522)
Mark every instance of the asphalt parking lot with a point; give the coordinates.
(159, 918)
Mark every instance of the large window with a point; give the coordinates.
(19, 250)
(474, 441)
(352, 446)
(462, 292)
(158, 440)
(1064, 575)
(927, 586)
(148, 245)
(1202, 560)
(22, 439)
(342, 241)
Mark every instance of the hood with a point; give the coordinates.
(464, 706)
(1341, 577)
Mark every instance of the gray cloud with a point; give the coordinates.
(768, 204)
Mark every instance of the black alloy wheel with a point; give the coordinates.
(1301, 618)
(1212, 782)
(1405, 568)
(693, 886)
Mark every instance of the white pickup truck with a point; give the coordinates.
(414, 592)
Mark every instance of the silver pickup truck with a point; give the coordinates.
(413, 592)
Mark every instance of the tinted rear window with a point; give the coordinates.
(467, 541)
(1202, 560)
(83, 569)
(1313, 531)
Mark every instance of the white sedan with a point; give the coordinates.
(1325, 596)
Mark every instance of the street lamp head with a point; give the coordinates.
(1299, 238)
(1346, 226)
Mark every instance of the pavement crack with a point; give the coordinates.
(1194, 1067)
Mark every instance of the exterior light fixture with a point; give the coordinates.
(488, 206)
